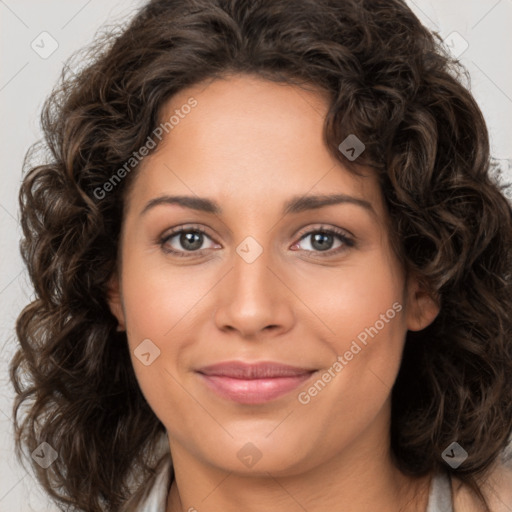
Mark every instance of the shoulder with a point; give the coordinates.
(496, 487)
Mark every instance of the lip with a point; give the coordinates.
(253, 383)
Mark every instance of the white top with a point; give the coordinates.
(440, 496)
(156, 500)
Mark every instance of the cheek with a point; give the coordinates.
(160, 300)
(363, 307)
(163, 304)
(159, 306)
(350, 300)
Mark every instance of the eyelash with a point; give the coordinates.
(341, 235)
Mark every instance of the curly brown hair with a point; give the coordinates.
(391, 82)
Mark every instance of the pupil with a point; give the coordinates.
(319, 241)
(188, 238)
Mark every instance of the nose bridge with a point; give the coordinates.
(251, 275)
(252, 297)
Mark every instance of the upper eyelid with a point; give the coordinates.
(308, 230)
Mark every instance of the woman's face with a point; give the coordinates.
(282, 274)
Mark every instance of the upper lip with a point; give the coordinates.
(259, 370)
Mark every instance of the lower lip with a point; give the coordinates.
(253, 391)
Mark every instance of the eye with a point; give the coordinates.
(190, 239)
(323, 239)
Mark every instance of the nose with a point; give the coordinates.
(254, 300)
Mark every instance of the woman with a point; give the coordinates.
(272, 270)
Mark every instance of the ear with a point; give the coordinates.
(422, 308)
(115, 302)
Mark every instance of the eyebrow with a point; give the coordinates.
(296, 204)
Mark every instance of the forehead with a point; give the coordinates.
(247, 141)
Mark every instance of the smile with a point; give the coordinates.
(253, 383)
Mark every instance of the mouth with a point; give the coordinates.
(255, 383)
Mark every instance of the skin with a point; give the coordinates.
(251, 145)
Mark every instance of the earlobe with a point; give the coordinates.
(115, 303)
(422, 308)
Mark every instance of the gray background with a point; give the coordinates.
(26, 78)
